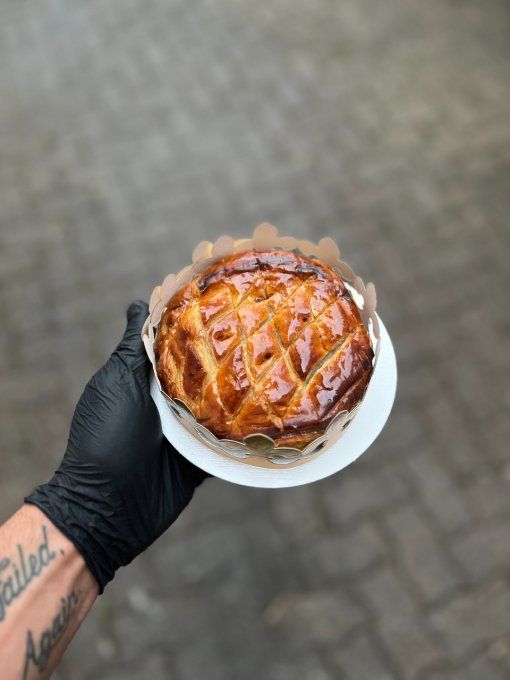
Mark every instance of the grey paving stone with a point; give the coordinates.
(473, 619)
(356, 494)
(499, 653)
(167, 623)
(399, 624)
(485, 550)
(491, 496)
(300, 667)
(479, 668)
(316, 618)
(342, 554)
(464, 459)
(190, 660)
(405, 434)
(298, 511)
(153, 665)
(235, 501)
(427, 564)
(442, 497)
(206, 556)
(360, 658)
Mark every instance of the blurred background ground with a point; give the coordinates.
(129, 132)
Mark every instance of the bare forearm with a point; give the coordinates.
(46, 591)
(119, 486)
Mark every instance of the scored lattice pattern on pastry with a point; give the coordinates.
(264, 342)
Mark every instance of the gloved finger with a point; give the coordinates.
(131, 347)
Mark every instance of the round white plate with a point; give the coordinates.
(364, 429)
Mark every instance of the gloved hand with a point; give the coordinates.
(121, 484)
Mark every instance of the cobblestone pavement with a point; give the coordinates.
(130, 131)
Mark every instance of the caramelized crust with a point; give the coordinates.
(264, 342)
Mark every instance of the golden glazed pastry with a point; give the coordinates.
(264, 342)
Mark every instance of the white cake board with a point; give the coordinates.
(366, 426)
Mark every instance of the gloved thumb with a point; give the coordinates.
(131, 346)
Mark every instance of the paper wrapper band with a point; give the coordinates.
(260, 450)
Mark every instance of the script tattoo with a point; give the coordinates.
(37, 652)
(17, 574)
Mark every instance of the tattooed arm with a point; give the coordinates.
(119, 486)
(46, 591)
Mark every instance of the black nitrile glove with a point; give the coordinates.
(121, 484)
